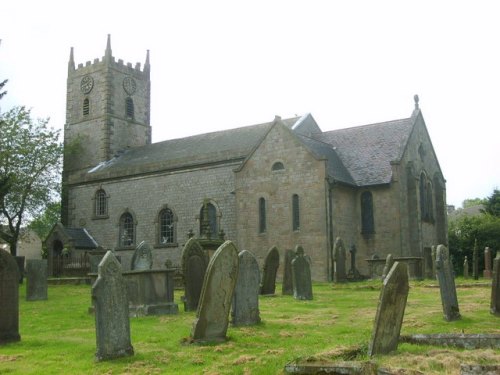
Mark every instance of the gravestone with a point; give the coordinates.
(194, 265)
(110, 300)
(287, 286)
(433, 253)
(339, 252)
(271, 264)
(9, 298)
(142, 258)
(466, 268)
(36, 284)
(246, 293)
(446, 284)
(390, 311)
(475, 261)
(487, 263)
(428, 268)
(212, 316)
(389, 261)
(353, 273)
(301, 274)
(495, 287)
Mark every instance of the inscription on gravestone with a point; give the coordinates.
(142, 258)
(271, 264)
(287, 287)
(446, 284)
(495, 287)
(339, 252)
(9, 298)
(246, 294)
(36, 284)
(301, 274)
(194, 266)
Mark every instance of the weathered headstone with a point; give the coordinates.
(353, 273)
(246, 294)
(194, 266)
(287, 286)
(36, 284)
(475, 261)
(9, 298)
(390, 311)
(301, 274)
(466, 268)
(212, 316)
(495, 287)
(110, 300)
(487, 263)
(142, 258)
(339, 252)
(447, 284)
(271, 264)
(389, 261)
(433, 253)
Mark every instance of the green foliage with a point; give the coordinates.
(492, 204)
(2, 84)
(473, 202)
(30, 161)
(43, 223)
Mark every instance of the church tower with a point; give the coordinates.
(107, 112)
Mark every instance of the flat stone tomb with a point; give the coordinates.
(495, 286)
(287, 286)
(447, 287)
(110, 300)
(271, 264)
(212, 316)
(9, 298)
(36, 284)
(340, 274)
(194, 266)
(142, 258)
(390, 311)
(301, 274)
(245, 309)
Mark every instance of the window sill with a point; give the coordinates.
(165, 245)
(100, 217)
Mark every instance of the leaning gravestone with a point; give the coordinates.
(271, 264)
(110, 300)
(36, 284)
(142, 258)
(246, 293)
(447, 284)
(340, 274)
(9, 298)
(389, 261)
(194, 266)
(390, 311)
(287, 287)
(212, 316)
(495, 287)
(301, 274)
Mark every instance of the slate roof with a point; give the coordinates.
(82, 239)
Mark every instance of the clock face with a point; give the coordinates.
(86, 84)
(129, 85)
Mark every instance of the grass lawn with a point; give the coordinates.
(58, 335)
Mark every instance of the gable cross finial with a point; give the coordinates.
(416, 101)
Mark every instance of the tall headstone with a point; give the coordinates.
(110, 300)
(271, 264)
(433, 253)
(301, 274)
(246, 294)
(390, 311)
(447, 284)
(353, 273)
(212, 316)
(194, 265)
(9, 298)
(475, 261)
(142, 258)
(495, 287)
(487, 263)
(339, 252)
(389, 261)
(466, 268)
(287, 286)
(36, 284)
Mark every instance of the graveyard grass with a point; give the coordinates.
(58, 335)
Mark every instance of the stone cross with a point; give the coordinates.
(495, 287)
(9, 298)
(142, 258)
(36, 284)
(340, 274)
(194, 265)
(466, 268)
(447, 284)
(301, 275)
(110, 300)
(389, 261)
(475, 261)
(246, 294)
(487, 263)
(390, 311)
(287, 286)
(212, 316)
(271, 264)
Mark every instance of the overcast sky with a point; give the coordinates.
(223, 64)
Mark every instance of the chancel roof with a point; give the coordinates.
(82, 239)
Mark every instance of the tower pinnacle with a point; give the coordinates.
(108, 54)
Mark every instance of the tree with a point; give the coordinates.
(492, 204)
(30, 163)
(43, 223)
(473, 202)
(2, 84)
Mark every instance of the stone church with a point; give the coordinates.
(280, 183)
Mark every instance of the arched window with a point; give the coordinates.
(208, 220)
(167, 227)
(429, 204)
(86, 106)
(278, 166)
(101, 203)
(262, 215)
(295, 213)
(129, 105)
(367, 222)
(127, 230)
